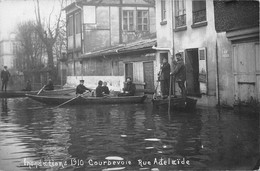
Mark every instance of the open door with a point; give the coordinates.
(203, 79)
(192, 72)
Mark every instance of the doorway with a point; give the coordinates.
(129, 70)
(163, 55)
(149, 75)
(192, 72)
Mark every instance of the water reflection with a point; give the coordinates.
(207, 138)
(4, 106)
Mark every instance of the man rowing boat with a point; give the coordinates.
(81, 88)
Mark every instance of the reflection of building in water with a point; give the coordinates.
(4, 106)
(229, 140)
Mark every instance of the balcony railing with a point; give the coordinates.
(199, 16)
(180, 20)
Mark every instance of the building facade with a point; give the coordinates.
(188, 27)
(238, 51)
(8, 49)
(104, 26)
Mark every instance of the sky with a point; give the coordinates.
(13, 12)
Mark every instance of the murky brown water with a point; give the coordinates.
(130, 137)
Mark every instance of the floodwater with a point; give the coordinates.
(124, 137)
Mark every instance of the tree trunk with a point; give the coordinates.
(50, 56)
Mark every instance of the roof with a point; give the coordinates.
(138, 46)
(81, 3)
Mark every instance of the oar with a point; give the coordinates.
(174, 80)
(67, 101)
(70, 100)
(169, 100)
(41, 90)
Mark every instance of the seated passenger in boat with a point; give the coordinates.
(49, 86)
(105, 89)
(129, 89)
(28, 86)
(81, 88)
(99, 89)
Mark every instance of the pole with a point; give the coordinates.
(169, 98)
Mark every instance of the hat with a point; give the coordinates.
(5, 67)
(178, 54)
(81, 80)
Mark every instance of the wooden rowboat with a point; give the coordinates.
(14, 94)
(56, 100)
(176, 102)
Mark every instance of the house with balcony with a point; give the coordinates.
(188, 27)
(110, 40)
(205, 32)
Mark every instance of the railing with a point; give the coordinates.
(199, 16)
(180, 20)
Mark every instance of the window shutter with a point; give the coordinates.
(203, 79)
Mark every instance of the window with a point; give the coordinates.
(163, 10)
(77, 23)
(199, 11)
(128, 20)
(89, 13)
(70, 25)
(180, 13)
(142, 20)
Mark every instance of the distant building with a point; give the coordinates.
(188, 26)
(109, 40)
(8, 50)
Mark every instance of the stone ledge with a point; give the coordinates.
(200, 24)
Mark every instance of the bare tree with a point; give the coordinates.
(48, 32)
(31, 48)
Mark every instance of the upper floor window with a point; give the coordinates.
(199, 11)
(70, 26)
(163, 10)
(77, 23)
(128, 20)
(142, 20)
(180, 13)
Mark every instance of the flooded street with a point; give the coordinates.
(131, 137)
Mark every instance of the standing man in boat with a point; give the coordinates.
(179, 73)
(81, 88)
(129, 89)
(5, 75)
(165, 77)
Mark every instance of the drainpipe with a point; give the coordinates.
(217, 76)
(172, 30)
(120, 21)
(158, 48)
(82, 29)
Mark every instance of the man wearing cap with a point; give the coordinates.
(165, 77)
(180, 73)
(5, 75)
(81, 88)
(129, 89)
